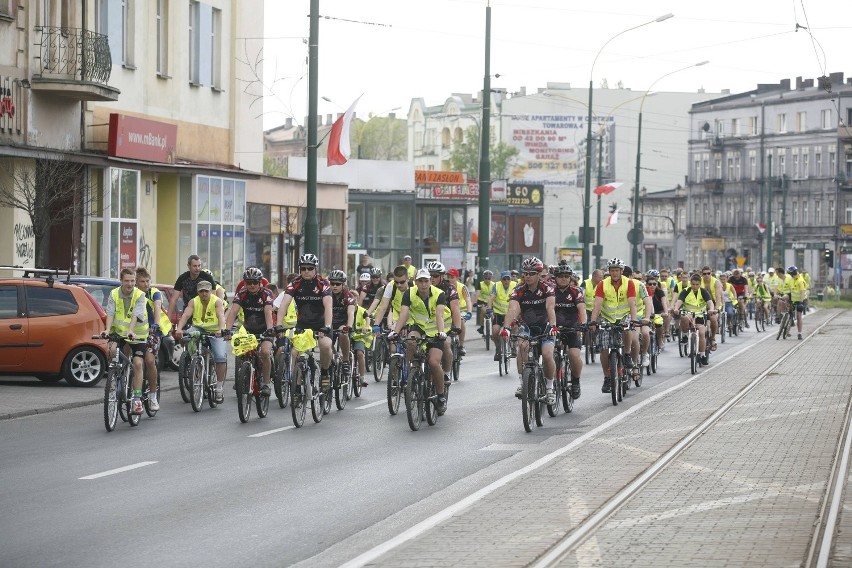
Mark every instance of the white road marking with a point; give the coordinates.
(117, 470)
(505, 447)
(268, 432)
(372, 404)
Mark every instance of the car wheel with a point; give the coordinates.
(49, 377)
(174, 363)
(167, 358)
(84, 366)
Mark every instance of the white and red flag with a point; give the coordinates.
(761, 227)
(612, 219)
(607, 188)
(339, 148)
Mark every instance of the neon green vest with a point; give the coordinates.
(205, 319)
(122, 318)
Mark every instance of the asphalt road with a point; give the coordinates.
(204, 489)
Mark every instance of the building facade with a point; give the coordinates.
(767, 180)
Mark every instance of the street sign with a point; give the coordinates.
(635, 237)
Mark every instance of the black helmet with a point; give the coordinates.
(376, 272)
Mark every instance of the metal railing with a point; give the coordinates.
(74, 54)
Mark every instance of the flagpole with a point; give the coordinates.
(311, 226)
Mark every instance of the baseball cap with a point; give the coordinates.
(422, 273)
(407, 257)
(505, 274)
(771, 270)
(453, 272)
(203, 285)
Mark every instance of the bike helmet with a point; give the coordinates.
(376, 272)
(436, 266)
(309, 259)
(337, 275)
(615, 263)
(365, 277)
(792, 269)
(487, 274)
(532, 264)
(562, 269)
(252, 273)
(627, 270)
(652, 274)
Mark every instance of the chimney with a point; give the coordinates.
(799, 85)
(523, 91)
(785, 84)
(807, 83)
(289, 122)
(836, 78)
(328, 120)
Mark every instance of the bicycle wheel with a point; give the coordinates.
(298, 398)
(349, 391)
(430, 404)
(356, 385)
(261, 402)
(393, 390)
(380, 362)
(111, 401)
(553, 409)
(132, 419)
(146, 392)
(196, 383)
(486, 327)
(340, 385)
(280, 380)
(653, 364)
(124, 393)
(528, 398)
(565, 387)
(782, 329)
(693, 352)
(317, 402)
(211, 381)
(414, 399)
(456, 367)
(243, 383)
(183, 373)
(615, 382)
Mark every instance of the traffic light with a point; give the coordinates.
(828, 254)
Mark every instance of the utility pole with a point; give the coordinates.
(769, 227)
(311, 225)
(598, 247)
(484, 158)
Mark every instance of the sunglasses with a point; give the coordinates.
(564, 275)
(250, 283)
(706, 273)
(401, 282)
(652, 283)
(307, 268)
(337, 283)
(532, 273)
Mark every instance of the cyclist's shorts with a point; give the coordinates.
(800, 306)
(153, 344)
(137, 349)
(497, 319)
(570, 339)
(539, 330)
(432, 343)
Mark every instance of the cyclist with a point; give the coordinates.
(741, 290)
(362, 339)
(570, 308)
(452, 316)
(158, 326)
(798, 295)
(772, 283)
(342, 315)
(590, 284)
(390, 296)
(289, 319)
(659, 299)
(712, 285)
(499, 304)
(644, 305)
(761, 292)
(255, 301)
(127, 316)
(516, 277)
(312, 294)
(728, 294)
(483, 294)
(535, 303)
(207, 313)
(663, 281)
(186, 284)
(426, 305)
(410, 269)
(367, 290)
(465, 303)
(615, 302)
(695, 299)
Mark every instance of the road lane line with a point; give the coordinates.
(117, 470)
(372, 404)
(268, 432)
(437, 518)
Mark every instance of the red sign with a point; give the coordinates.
(127, 246)
(430, 176)
(141, 139)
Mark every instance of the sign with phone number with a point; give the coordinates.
(527, 195)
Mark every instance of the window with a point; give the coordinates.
(818, 164)
(44, 302)
(718, 167)
(220, 225)
(194, 44)
(832, 163)
(781, 123)
(731, 169)
(805, 212)
(735, 127)
(162, 38)
(825, 119)
(720, 128)
(696, 172)
(795, 210)
(849, 116)
(706, 169)
(831, 216)
(848, 215)
(737, 175)
(782, 164)
(752, 125)
(114, 18)
(752, 166)
(216, 41)
(796, 173)
(8, 302)
(204, 44)
(817, 212)
(806, 163)
(801, 121)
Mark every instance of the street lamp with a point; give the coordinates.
(586, 204)
(634, 261)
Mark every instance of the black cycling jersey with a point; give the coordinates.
(370, 290)
(253, 305)
(532, 302)
(567, 302)
(308, 295)
(657, 298)
(340, 307)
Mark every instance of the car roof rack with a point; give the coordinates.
(49, 274)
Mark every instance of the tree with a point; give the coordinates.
(273, 166)
(49, 190)
(380, 138)
(464, 156)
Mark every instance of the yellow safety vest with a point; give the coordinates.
(361, 331)
(784, 287)
(205, 319)
(164, 322)
(615, 305)
(641, 294)
(462, 300)
(412, 270)
(589, 289)
(122, 318)
(501, 297)
(712, 288)
(425, 316)
(762, 292)
(807, 278)
(485, 290)
(773, 282)
(694, 303)
(798, 288)
(728, 289)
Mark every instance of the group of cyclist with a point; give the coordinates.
(548, 302)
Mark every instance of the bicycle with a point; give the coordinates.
(118, 388)
(486, 327)
(304, 390)
(692, 338)
(787, 321)
(183, 371)
(281, 376)
(725, 325)
(247, 379)
(759, 315)
(420, 396)
(342, 383)
(619, 374)
(202, 372)
(397, 375)
(589, 345)
(505, 352)
(564, 373)
(380, 358)
(653, 353)
(533, 387)
(456, 355)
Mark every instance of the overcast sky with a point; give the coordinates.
(396, 50)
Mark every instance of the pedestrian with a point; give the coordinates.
(186, 284)
(365, 266)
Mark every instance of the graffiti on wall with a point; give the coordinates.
(24, 244)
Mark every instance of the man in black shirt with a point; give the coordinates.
(570, 308)
(186, 283)
(255, 301)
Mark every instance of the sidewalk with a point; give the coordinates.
(747, 491)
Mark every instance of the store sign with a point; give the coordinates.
(127, 246)
(712, 244)
(141, 139)
(431, 176)
(527, 195)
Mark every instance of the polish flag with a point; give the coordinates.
(338, 143)
(607, 188)
(612, 219)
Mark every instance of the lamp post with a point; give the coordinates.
(588, 196)
(634, 261)
(484, 158)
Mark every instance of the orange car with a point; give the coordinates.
(46, 328)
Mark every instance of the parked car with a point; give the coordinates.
(170, 351)
(101, 287)
(46, 328)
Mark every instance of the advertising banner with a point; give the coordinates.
(499, 231)
(141, 139)
(127, 246)
(526, 234)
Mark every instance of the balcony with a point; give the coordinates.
(73, 63)
(714, 185)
